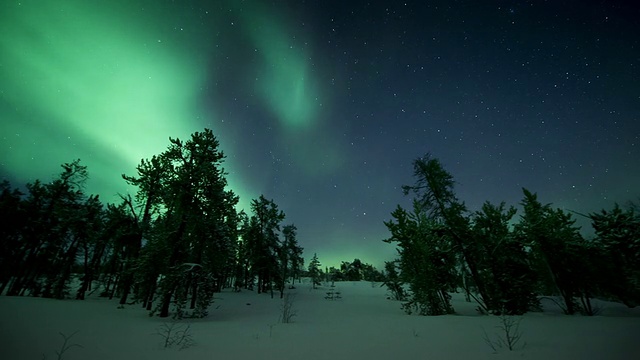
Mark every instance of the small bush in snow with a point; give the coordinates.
(175, 334)
(65, 346)
(508, 335)
(333, 295)
(287, 308)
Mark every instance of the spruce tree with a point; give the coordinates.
(186, 184)
(427, 261)
(554, 241)
(314, 271)
(263, 242)
(618, 238)
(434, 193)
(505, 262)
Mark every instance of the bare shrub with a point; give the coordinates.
(65, 346)
(175, 334)
(508, 335)
(287, 312)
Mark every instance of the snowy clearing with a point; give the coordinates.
(362, 324)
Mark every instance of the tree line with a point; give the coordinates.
(170, 247)
(505, 264)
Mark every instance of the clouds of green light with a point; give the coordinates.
(107, 82)
(287, 84)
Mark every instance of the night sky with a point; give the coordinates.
(323, 105)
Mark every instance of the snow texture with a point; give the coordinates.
(363, 324)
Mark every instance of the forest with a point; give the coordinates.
(180, 240)
(169, 248)
(507, 265)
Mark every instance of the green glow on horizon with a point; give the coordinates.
(338, 246)
(104, 82)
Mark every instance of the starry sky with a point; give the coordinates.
(323, 105)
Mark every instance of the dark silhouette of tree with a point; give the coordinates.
(261, 236)
(48, 241)
(554, 240)
(427, 261)
(434, 193)
(150, 187)
(83, 227)
(506, 265)
(12, 226)
(393, 281)
(191, 238)
(108, 236)
(315, 273)
(289, 255)
(618, 238)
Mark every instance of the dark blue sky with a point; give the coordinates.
(506, 94)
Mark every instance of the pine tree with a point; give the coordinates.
(427, 261)
(554, 241)
(12, 227)
(618, 238)
(314, 271)
(261, 236)
(150, 187)
(48, 242)
(504, 261)
(434, 193)
(289, 255)
(186, 186)
(393, 281)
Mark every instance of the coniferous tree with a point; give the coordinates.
(433, 189)
(504, 262)
(48, 243)
(149, 181)
(427, 261)
(289, 255)
(393, 281)
(554, 241)
(186, 185)
(370, 273)
(618, 239)
(12, 227)
(297, 263)
(352, 271)
(315, 273)
(115, 225)
(262, 240)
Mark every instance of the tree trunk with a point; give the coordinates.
(166, 301)
(175, 254)
(194, 295)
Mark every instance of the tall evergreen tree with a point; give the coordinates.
(393, 280)
(503, 260)
(434, 192)
(289, 255)
(554, 240)
(109, 236)
(427, 261)
(149, 181)
(618, 237)
(50, 210)
(262, 239)
(186, 183)
(12, 227)
(314, 271)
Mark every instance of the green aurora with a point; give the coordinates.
(110, 82)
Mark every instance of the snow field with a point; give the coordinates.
(363, 324)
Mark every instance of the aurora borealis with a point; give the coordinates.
(323, 105)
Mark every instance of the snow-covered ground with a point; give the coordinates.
(363, 324)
